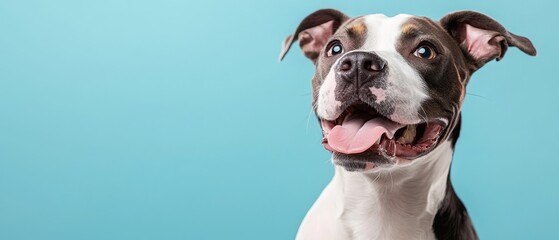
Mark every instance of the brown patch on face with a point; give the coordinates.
(351, 35)
(354, 34)
(409, 28)
(357, 29)
(445, 76)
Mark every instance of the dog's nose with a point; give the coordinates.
(360, 67)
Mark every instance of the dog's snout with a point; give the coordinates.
(360, 67)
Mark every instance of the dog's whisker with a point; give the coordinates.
(377, 177)
(308, 121)
(391, 181)
(424, 117)
(479, 96)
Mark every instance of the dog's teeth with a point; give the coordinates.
(409, 135)
(378, 141)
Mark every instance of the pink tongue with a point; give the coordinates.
(358, 133)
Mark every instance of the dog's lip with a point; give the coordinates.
(429, 140)
(390, 146)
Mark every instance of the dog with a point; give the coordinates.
(388, 93)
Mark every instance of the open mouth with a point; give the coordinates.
(361, 129)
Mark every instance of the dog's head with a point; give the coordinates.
(388, 90)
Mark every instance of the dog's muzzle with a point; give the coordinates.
(360, 67)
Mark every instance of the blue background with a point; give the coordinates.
(174, 120)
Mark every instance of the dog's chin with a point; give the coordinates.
(361, 139)
(367, 161)
(374, 160)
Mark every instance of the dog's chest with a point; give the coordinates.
(361, 216)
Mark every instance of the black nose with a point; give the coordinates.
(361, 67)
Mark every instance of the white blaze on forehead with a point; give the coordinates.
(383, 31)
(404, 84)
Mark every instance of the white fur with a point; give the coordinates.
(395, 203)
(327, 106)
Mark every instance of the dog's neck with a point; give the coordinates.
(395, 204)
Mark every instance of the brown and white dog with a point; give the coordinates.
(388, 93)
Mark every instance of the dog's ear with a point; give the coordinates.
(314, 31)
(481, 38)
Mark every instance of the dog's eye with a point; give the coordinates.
(425, 52)
(335, 49)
